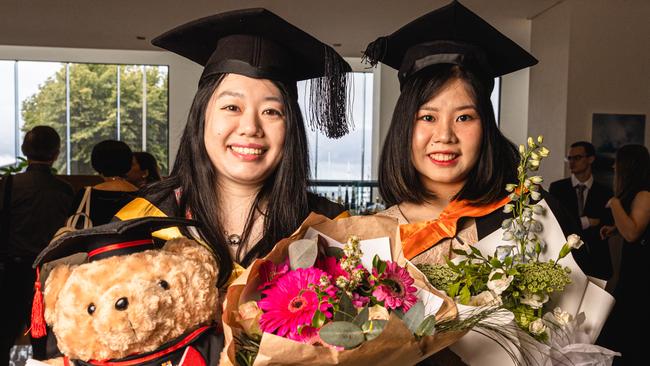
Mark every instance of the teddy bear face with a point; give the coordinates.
(123, 305)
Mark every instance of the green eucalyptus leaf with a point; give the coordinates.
(414, 316)
(303, 253)
(373, 328)
(346, 311)
(362, 317)
(334, 252)
(342, 334)
(427, 327)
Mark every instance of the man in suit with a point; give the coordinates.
(37, 205)
(585, 200)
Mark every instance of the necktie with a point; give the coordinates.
(580, 189)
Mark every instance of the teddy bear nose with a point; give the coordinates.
(122, 303)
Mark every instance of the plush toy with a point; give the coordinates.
(132, 302)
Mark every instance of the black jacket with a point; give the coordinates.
(593, 257)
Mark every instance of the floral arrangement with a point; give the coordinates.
(513, 277)
(330, 300)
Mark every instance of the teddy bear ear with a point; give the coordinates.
(53, 285)
(190, 249)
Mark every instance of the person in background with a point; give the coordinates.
(585, 200)
(242, 168)
(631, 210)
(144, 170)
(38, 204)
(112, 160)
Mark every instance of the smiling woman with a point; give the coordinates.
(242, 167)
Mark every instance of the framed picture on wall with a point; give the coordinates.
(608, 133)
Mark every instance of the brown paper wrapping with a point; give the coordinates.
(396, 345)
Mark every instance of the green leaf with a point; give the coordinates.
(362, 317)
(303, 253)
(427, 327)
(381, 265)
(460, 252)
(318, 320)
(465, 295)
(495, 262)
(453, 289)
(508, 261)
(373, 328)
(342, 334)
(414, 316)
(334, 252)
(475, 251)
(345, 311)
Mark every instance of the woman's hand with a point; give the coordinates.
(606, 231)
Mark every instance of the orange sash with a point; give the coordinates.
(420, 236)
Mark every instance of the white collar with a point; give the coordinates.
(589, 182)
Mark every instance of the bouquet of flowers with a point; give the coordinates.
(314, 300)
(516, 276)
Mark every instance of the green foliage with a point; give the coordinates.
(343, 334)
(19, 166)
(303, 253)
(93, 110)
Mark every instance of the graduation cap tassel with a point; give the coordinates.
(375, 51)
(328, 98)
(38, 319)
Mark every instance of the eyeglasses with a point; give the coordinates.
(574, 157)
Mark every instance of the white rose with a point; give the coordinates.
(537, 327)
(535, 301)
(562, 317)
(501, 284)
(574, 241)
(485, 298)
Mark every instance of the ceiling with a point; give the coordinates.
(121, 24)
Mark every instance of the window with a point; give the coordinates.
(346, 160)
(86, 103)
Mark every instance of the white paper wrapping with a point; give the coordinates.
(579, 296)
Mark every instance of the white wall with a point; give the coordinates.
(548, 86)
(594, 58)
(183, 75)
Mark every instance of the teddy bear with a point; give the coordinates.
(154, 306)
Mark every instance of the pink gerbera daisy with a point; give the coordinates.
(396, 288)
(291, 302)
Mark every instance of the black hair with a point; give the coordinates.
(400, 182)
(148, 162)
(111, 158)
(284, 192)
(41, 143)
(632, 173)
(588, 146)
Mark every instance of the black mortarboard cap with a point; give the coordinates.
(114, 238)
(259, 44)
(449, 35)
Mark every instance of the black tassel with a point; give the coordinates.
(375, 51)
(328, 98)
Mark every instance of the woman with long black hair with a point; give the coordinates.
(631, 210)
(242, 168)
